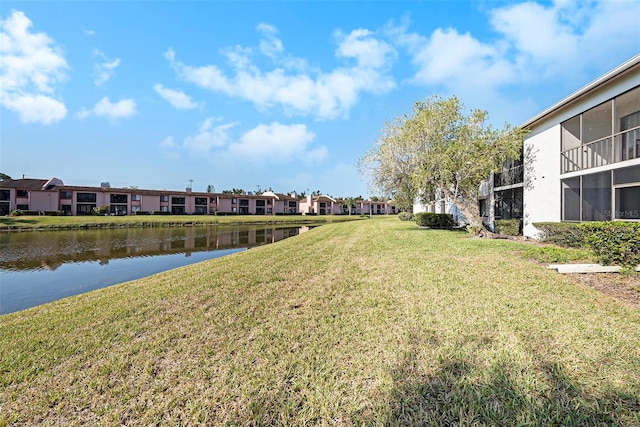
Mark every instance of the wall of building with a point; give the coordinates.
(541, 179)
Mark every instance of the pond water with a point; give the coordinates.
(41, 266)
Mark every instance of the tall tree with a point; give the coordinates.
(4, 176)
(439, 147)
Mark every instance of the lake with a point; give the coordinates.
(41, 266)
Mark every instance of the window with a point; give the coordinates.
(596, 197)
(234, 201)
(201, 201)
(119, 198)
(136, 197)
(66, 209)
(212, 200)
(234, 209)
(483, 207)
(628, 203)
(164, 208)
(5, 195)
(135, 209)
(293, 204)
(22, 193)
(85, 209)
(86, 197)
(66, 195)
(200, 210)
(571, 199)
(627, 193)
(177, 209)
(177, 201)
(596, 123)
(118, 209)
(244, 202)
(164, 198)
(269, 210)
(260, 203)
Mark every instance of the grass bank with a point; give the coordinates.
(359, 323)
(75, 222)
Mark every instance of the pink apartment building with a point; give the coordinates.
(42, 195)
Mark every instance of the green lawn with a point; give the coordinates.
(370, 322)
(64, 222)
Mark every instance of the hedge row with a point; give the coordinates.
(566, 234)
(613, 242)
(434, 220)
(22, 212)
(509, 227)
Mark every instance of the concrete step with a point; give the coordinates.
(586, 268)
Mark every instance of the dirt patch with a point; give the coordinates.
(618, 286)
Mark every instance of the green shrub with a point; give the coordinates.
(614, 242)
(433, 220)
(406, 216)
(142, 213)
(160, 213)
(510, 227)
(17, 212)
(101, 210)
(565, 234)
(53, 213)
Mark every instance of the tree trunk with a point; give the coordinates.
(471, 211)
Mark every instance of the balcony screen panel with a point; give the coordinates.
(596, 197)
(627, 175)
(571, 133)
(571, 199)
(596, 123)
(628, 110)
(628, 203)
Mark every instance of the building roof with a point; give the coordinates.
(627, 67)
(24, 184)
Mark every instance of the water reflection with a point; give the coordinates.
(51, 249)
(42, 266)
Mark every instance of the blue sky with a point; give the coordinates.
(285, 95)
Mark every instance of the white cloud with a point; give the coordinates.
(270, 45)
(365, 48)
(325, 95)
(103, 70)
(122, 109)
(274, 142)
(35, 108)
(31, 65)
(208, 136)
(176, 98)
(271, 143)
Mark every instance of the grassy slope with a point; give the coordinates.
(46, 222)
(366, 322)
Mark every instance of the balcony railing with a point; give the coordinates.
(624, 146)
(509, 176)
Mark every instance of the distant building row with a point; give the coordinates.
(52, 195)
